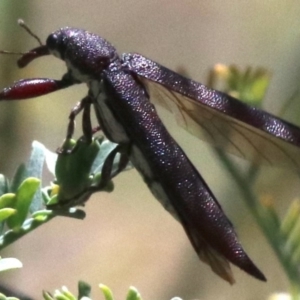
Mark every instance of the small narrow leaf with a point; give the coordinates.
(106, 147)
(47, 296)
(107, 292)
(58, 295)
(7, 200)
(53, 200)
(41, 215)
(84, 289)
(73, 169)
(67, 293)
(35, 169)
(24, 196)
(259, 87)
(6, 213)
(133, 294)
(18, 178)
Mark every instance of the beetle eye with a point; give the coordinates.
(51, 41)
(56, 45)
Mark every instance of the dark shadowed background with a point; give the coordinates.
(127, 237)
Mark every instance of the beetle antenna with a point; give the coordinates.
(11, 52)
(22, 24)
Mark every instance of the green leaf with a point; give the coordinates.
(259, 88)
(41, 215)
(9, 263)
(24, 196)
(73, 169)
(84, 289)
(249, 86)
(47, 296)
(6, 213)
(106, 147)
(67, 293)
(107, 292)
(78, 172)
(35, 169)
(58, 295)
(7, 200)
(18, 178)
(133, 294)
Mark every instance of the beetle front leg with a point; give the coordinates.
(85, 105)
(87, 129)
(34, 87)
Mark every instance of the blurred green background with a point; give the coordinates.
(127, 237)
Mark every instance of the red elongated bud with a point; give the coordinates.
(29, 88)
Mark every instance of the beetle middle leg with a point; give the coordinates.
(88, 131)
(85, 106)
(107, 172)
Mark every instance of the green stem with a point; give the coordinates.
(32, 223)
(29, 225)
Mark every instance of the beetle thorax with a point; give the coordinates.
(86, 54)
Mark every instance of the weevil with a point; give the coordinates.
(122, 90)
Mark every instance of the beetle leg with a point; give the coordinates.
(83, 105)
(34, 87)
(107, 173)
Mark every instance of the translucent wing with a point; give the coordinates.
(215, 117)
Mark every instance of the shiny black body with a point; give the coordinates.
(122, 89)
(202, 217)
(164, 166)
